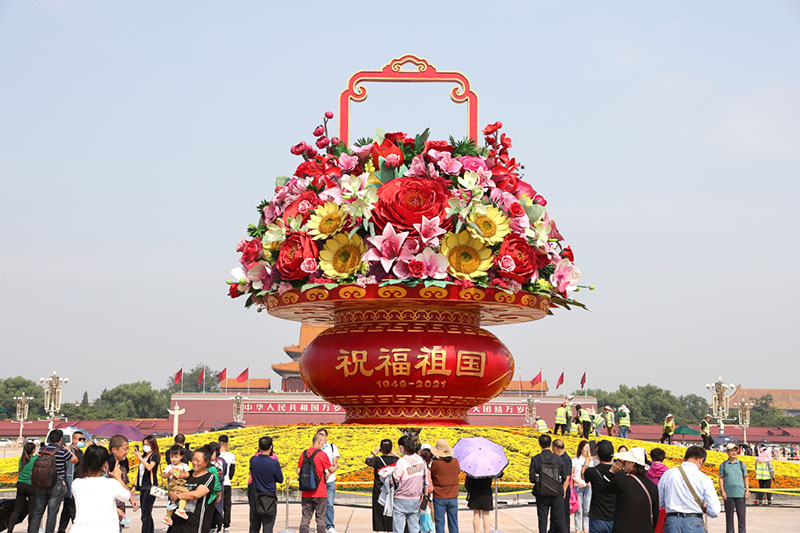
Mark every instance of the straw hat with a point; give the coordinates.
(624, 408)
(442, 449)
(634, 455)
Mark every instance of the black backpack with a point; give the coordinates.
(43, 475)
(548, 483)
(309, 480)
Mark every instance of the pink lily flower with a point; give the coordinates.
(417, 168)
(566, 276)
(429, 230)
(427, 264)
(386, 247)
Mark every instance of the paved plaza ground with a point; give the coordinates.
(356, 517)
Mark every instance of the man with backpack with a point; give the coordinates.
(312, 468)
(48, 477)
(550, 478)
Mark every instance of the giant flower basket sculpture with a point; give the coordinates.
(407, 246)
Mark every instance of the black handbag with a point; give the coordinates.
(266, 504)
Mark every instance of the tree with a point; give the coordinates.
(82, 411)
(651, 405)
(131, 400)
(190, 378)
(11, 387)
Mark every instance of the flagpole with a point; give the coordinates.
(181, 380)
(519, 375)
(585, 388)
(204, 380)
(564, 373)
(248, 380)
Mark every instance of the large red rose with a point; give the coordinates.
(439, 146)
(524, 259)
(506, 176)
(382, 150)
(404, 201)
(294, 250)
(303, 206)
(322, 169)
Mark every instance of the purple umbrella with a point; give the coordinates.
(479, 457)
(109, 429)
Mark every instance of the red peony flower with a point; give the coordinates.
(384, 149)
(304, 205)
(251, 252)
(526, 259)
(233, 290)
(294, 251)
(404, 201)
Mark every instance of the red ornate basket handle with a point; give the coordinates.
(393, 72)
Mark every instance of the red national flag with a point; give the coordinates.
(537, 378)
(179, 376)
(222, 376)
(560, 380)
(244, 376)
(583, 380)
(202, 377)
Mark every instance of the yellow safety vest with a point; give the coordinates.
(541, 426)
(573, 429)
(610, 420)
(762, 470)
(624, 419)
(583, 415)
(705, 427)
(561, 415)
(669, 427)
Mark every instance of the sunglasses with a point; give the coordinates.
(81, 440)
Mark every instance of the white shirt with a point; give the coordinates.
(577, 466)
(95, 507)
(331, 451)
(230, 460)
(675, 497)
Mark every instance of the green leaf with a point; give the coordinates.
(387, 173)
(363, 141)
(352, 232)
(281, 181)
(380, 135)
(330, 286)
(419, 140)
(534, 212)
(437, 283)
(391, 282)
(459, 224)
(307, 286)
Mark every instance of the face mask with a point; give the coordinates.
(81, 444)
(146, 448)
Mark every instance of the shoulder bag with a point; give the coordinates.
(695, 496)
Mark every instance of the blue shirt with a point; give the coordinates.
(266, 472)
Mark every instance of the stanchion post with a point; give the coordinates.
(287, 529)
(495, 530)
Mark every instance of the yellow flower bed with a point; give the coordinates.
(356, 442)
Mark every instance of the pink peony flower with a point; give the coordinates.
(283, 287)
(429, 230)
(427, 264)
(347, 162)
(448, 164)
(271, 213)
(386, 247)
(363, 152)
(417, 168)
(472, 163)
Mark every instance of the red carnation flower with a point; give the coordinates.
(397, 138)
(382, 150)
(304, 205)
(251, 252)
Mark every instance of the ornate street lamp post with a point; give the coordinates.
(719, 401)
(238, 408)
(530, 411)
(744, 416)
(52, 395)
(23, 401)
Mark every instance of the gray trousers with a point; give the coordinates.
(739, 504)
(309, 507)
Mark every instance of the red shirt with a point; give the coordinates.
(321, 462)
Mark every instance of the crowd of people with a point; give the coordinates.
(415, 488)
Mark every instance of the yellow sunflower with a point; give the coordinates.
(341, 256)
(467, 256)
(493, 226)
(326, 220)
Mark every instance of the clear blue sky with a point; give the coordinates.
(136, 139)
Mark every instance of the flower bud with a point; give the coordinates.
(322, 142)
(299, 148)
(319, 130)
(329, 114)
(335, 141)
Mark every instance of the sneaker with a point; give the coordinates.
(125, 522)
(171, 506)
(182, 514)
(330, 530)
(167, 520)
